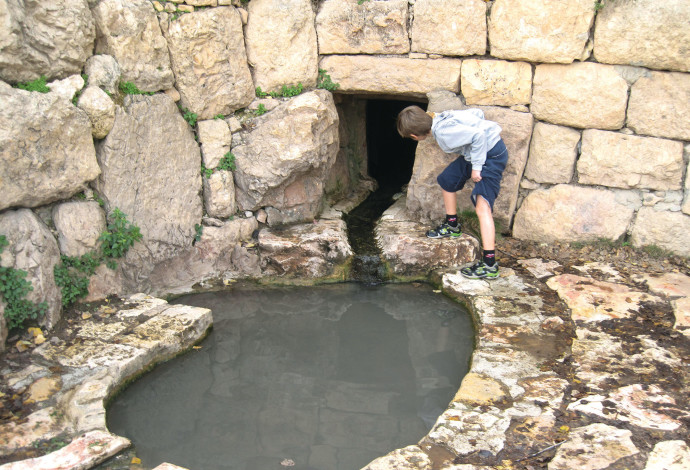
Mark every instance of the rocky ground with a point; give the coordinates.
(582, 362)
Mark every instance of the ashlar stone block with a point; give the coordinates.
(584, 95)
(571, 213)
(449, 27)
(281, 43)
(644, 32)
(539, 31)
(354, 27)
(660, 105)
(552, 154)
(392, 75)
(665, 229)
(628, 161)
(496, 82)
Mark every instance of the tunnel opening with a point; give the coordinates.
(390, 160)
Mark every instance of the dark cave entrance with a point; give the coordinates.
(390, 157)
(390, 160)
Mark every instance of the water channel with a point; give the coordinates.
(326, 377)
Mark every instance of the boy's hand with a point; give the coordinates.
(476, 176)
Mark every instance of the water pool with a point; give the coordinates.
(327, 378)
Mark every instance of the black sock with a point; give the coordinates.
(452, 220)
(489, 257)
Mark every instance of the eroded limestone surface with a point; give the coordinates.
(579, 366)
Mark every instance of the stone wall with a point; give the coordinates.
(593, 106)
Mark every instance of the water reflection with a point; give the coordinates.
(327, 377)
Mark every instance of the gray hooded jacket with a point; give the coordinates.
(466, 133)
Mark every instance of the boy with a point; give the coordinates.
(483, 157)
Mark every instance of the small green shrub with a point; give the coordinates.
(288, 91)
(38, 85)
(227, 162)
(261, 110)
(259, 93)
(198, 229)
(206, 172)
(324, 81)
(120, 236)
(189, 116)
(219, 116)
(14, 289)
(129, 88)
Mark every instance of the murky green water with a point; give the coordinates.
(326, 378)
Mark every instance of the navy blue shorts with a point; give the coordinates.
(454, 177)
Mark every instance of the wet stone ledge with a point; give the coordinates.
(68, 380)
(575, 367)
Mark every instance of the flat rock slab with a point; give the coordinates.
(84, 366)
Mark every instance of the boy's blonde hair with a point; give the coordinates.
(414, 120)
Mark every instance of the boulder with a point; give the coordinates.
(100, 108)
(129, 31)
(496, 82)
(46, 148)
(571, 213)
(79, 224)
(406, 458)
(284, 161)
(673, 455)
(392, 75)
(354, 27)
(644, 32)
(659, 105)
(423, 192)
(52, 39)
(219, 194)
(220, 253)
(408, 252)
(667, 230)
(151, 172)
(538, 31)
(552, 154)
(33, 249)
(584, 95)
(629, 161)
(314, 250)
(215, 139)
(449, 27)
(103, 71)
(208, 57)
(281, 43)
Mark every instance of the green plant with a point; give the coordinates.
(38, 85)
(324, 81)
(656, 251)
(198, 229)
(260, 110)
(14, 289)
(259, 93)
(75, 98)
(206, 172)
(120, 236)
(599, 4)
(129, 88)
(359, 2)
(219, 116)
(72, 276)
(227, 162)
(288, 91)
(189, 116)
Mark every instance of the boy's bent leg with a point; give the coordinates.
(486, 223)
(482, 270)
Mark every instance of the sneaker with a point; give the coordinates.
(480, 271)
(444, 230)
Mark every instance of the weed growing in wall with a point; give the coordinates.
(189, 116)
(75, 98)
(226, 163)
(324, 81)
(73, 273)
(198, 230)
(38, 85)
(260, 93)
(129, 88)
(260, 110)
(13, 290)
